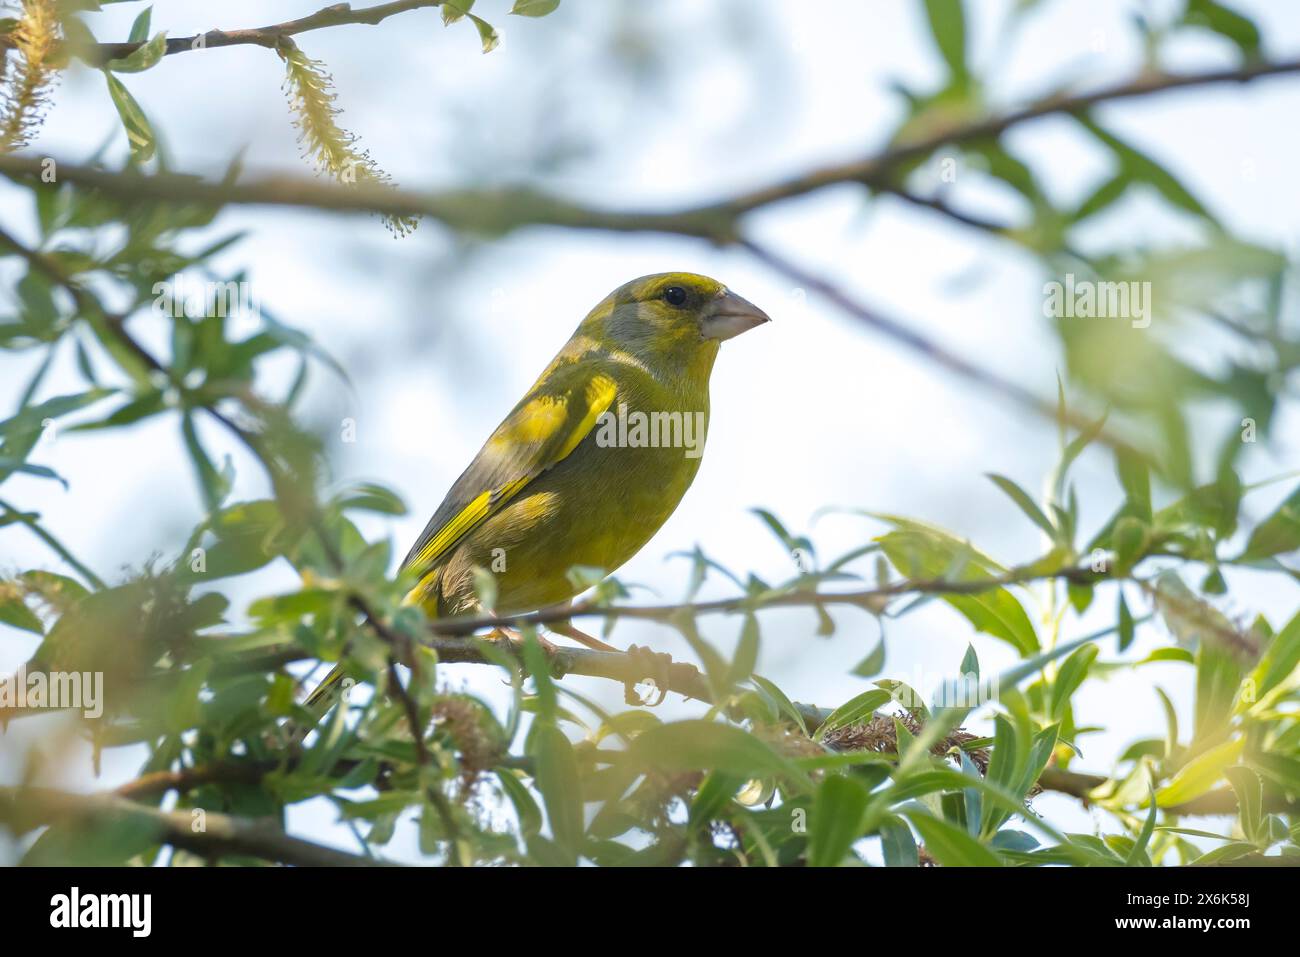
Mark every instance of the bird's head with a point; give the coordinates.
(672, 316)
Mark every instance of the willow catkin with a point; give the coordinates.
(28, 73)
(331, 148)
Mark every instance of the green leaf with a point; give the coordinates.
(836, 820)
(1214, 506)
(368, 497)
(716, 668)
(1040, 752)
(539, 669)
(1171, 724)
(1280, 768)
(556, 774)
(140, 28)
(1027, 504)
(14, 611)
(1135, 479)
(141, 407)
(213, 484)
(1225, 22)
(714, 793)
(907, 696)
(1250, 801)
(39, 313)
(1278, 533)
(897, 843)
(487, 33)
(746, 657)
(1075, 447)
(1125, 627)
(1002, 165)
(1138, 854)
(783, 704)
(711, 746)
(1018, 672)
(453, 10)
(1218, 680)
(918, 550)
(1130, 540)
(791, 543)
(530, 816)
(903, 736)
(1068, 679)
(1142, 168)
(856, 709)
(1013, 840)
(58, 590)
(1014, 762)
(1214, 583)
(9, 466)
(1225, 854)
(143, 57)
(1102, 197)
(245, 541)
(1200, 774)
(534, 8)
(29, 420)
(873, 663)
(139, 132)
(950, 845)
(1281, 658)
(948, 27)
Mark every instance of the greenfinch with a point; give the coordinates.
(592, 460)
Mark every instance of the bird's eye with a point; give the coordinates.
(675, 295)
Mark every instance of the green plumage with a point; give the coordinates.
(597, 505)
(554, 486)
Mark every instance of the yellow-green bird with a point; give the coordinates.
(592, 461)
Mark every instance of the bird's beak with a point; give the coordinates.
(729, 315)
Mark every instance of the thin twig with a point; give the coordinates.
(338, 14)
(878, 170)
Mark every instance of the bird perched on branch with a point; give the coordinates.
(593, 459)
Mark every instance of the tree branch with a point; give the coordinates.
(338, 14)
(25, 808)
(488, 211)
(502, 210)
(1218, 802)
(870, 599)
(877, 170)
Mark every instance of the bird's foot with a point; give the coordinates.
(550, 649)
(653, 665)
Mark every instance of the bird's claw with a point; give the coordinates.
(655, 665)
(550, 649)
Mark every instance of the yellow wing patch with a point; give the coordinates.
(600, 393)
(538, 423)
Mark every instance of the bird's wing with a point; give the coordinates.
(541, 430)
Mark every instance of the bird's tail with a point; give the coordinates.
(326, 694)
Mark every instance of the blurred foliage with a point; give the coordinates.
(753, 778)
